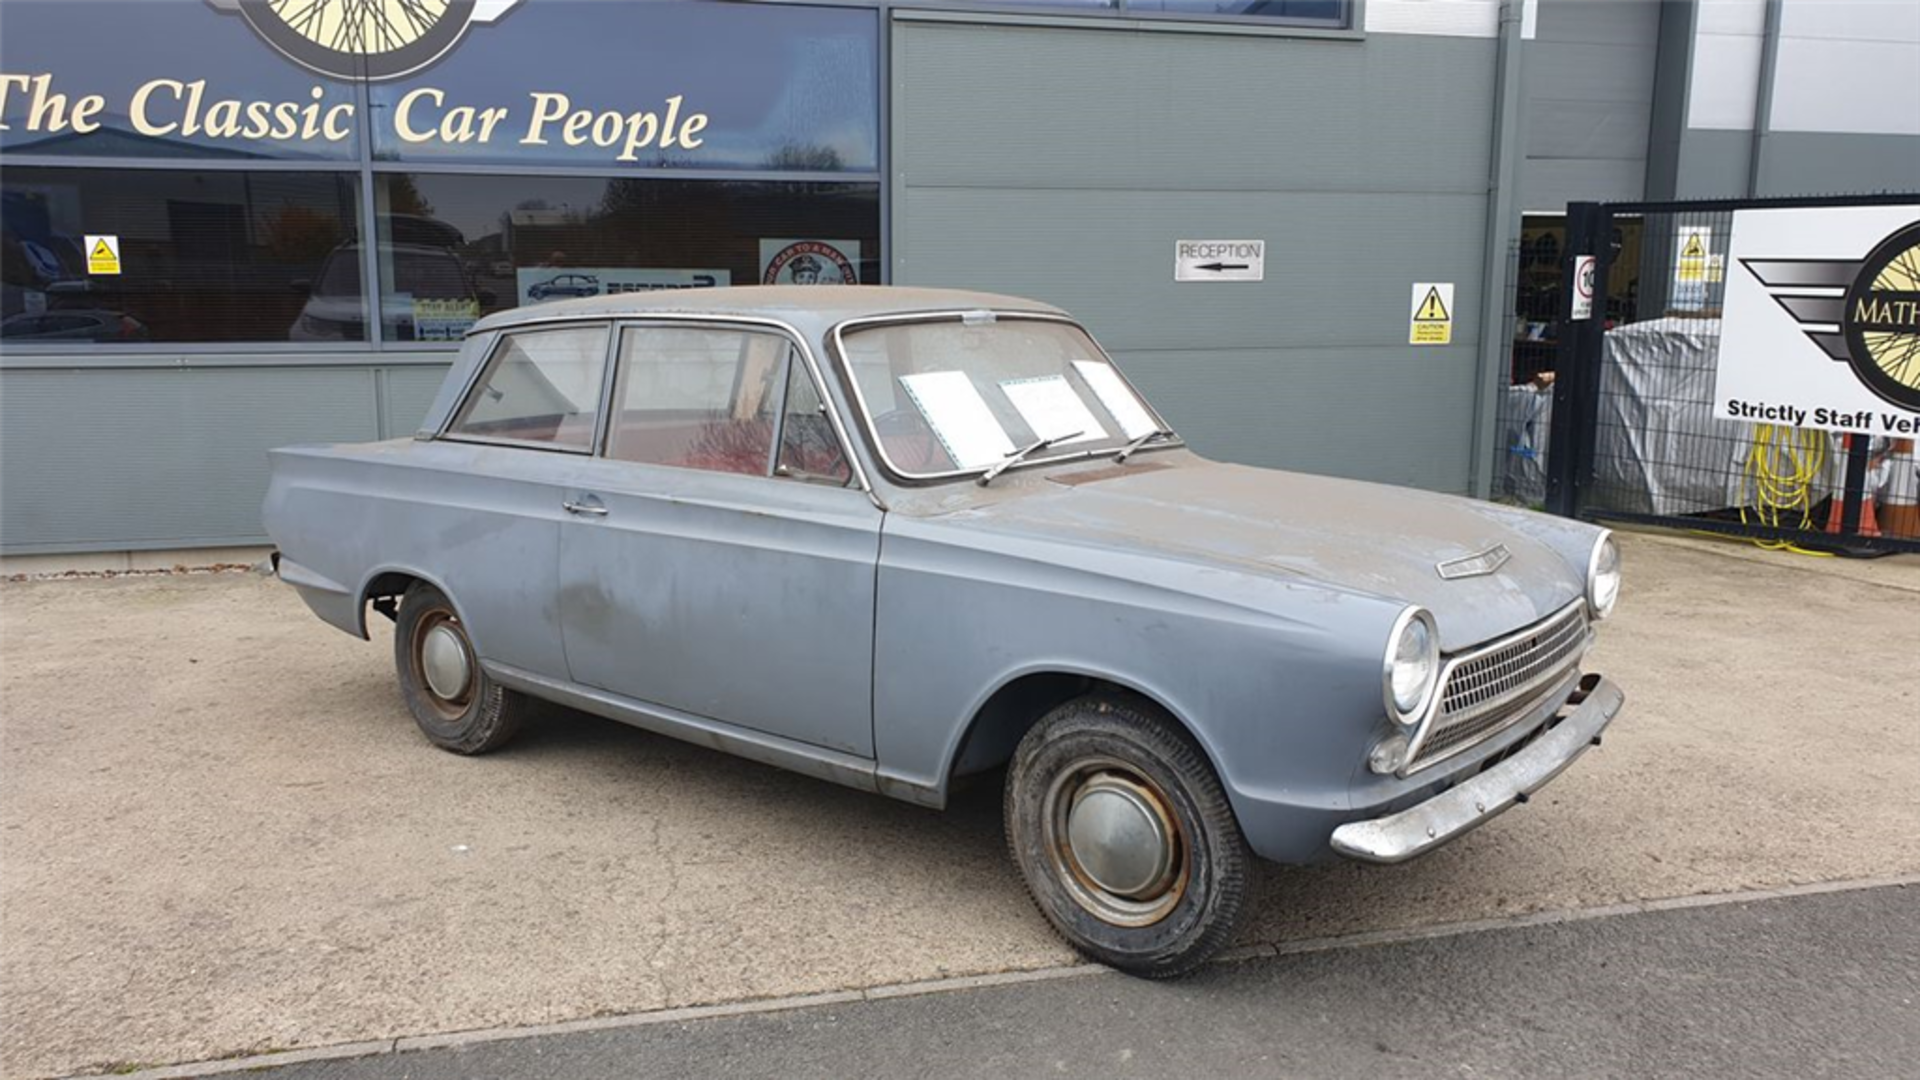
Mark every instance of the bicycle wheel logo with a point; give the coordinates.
(364, 39)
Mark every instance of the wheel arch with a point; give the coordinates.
(1005, 713)
(395, 581)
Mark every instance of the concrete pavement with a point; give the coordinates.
(221, 834)
(1808, 986)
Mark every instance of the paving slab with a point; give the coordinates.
(220, 833)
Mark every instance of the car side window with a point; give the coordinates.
(697, 397)
(542, 386)
(809, 449)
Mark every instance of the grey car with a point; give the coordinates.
(905, 539)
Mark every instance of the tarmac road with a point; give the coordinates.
(1809, 986)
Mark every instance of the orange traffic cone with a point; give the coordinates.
(1869, 522)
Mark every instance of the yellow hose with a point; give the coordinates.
(1782, 468)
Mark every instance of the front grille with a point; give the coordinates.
(1488, 688)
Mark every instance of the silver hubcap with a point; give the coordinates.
(1118, 838)
(1114, 842)
(443, 660)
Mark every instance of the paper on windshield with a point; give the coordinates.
(959, 416)
(1053, 410)
(1112, 391)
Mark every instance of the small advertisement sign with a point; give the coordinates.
(1822, 320)
(538, 283)
(809, 262)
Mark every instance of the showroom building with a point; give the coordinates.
(231, 225)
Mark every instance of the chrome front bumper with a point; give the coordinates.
(1418, 829)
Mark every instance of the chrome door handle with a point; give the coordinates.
(589, 509)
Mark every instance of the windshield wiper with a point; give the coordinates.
(1020, 455)
(1127, 450)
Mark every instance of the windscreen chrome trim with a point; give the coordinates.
(894, 472)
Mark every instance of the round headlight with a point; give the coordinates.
(1413, 665)
(1603, 577)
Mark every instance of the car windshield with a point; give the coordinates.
(959, 395)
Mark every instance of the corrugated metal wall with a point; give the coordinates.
(1589, 99)
(1064, 165)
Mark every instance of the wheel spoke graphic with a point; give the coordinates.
(360, 27)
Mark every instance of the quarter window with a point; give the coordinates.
(543, 386)
(809, 449)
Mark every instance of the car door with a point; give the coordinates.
(721, 562)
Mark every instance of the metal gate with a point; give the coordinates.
(1634, 435)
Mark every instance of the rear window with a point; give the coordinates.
(542, 387)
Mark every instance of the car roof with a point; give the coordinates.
(806, 307)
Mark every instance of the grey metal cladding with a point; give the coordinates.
(407, 395)
(1190, 112)
(129, 458)
(1589, 76)
(1304, 408)
(1362, 164)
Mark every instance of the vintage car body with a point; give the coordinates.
(900, 633)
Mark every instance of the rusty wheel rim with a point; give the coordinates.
(443, 665)
(1115, 843)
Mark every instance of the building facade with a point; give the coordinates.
(231, 225)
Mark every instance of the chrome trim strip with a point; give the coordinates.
(852, 384)
(1475, 801)
(1458, 660)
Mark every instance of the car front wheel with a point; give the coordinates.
(456, 705)
(1125, 837)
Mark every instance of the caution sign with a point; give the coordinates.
(103, 254)
(1693, 260)
(1432, 321)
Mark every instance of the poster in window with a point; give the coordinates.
(809, 262)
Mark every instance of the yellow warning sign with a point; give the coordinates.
(1695, 252)
(103, 254)
(1432, 321)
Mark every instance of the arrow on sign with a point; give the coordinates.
(1216, 267)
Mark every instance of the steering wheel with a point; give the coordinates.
(905, 435)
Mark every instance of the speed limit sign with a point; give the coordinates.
(1583, 267)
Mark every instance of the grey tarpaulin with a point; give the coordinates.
(1658, 447)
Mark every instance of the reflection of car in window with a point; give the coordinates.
(564, 285)
(75, 325)
(336, 311)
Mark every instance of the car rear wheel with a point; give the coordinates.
(1125, 837)
(456, 705)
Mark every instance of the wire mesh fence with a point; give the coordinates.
(1635, 433)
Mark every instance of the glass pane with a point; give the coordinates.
(204, 256)
(697, 398)
(456, 247)
(606, 85)
(1331, 12)
(809, 449)
(543, 386)
(943, 396)
(171, 80)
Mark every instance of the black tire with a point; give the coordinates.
(482, 715)
(1173, 925)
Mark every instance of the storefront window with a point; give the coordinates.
(645, 85)
(198, 256)
(139, 78)
(455, 247)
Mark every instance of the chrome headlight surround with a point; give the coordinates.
(1414, 640)
(1603, 577)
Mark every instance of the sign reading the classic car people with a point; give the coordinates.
(1432, 319)
(537, 283)
(1822, 320)
(809, 262)
(1219, 260)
